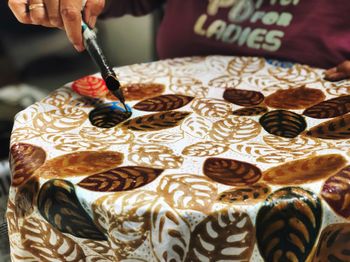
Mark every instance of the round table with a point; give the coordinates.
(222, 159)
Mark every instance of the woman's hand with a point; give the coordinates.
(339, 72)
(64, 14)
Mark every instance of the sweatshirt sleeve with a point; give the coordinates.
(117, 8)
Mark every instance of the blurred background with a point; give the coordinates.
(35, 60)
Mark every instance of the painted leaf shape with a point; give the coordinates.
(336, 192)
(108, 115)
(126, 218)
(188, 86)
(154, 155)
(25, 159)
(225, 81)
(211, 107)
(196, 126)
(58, 98)
(245, 65)
(231, 172)
(163, 103)
(336, 129)
(26, 197)
(80, 164)
(138, 91)
(334, 244)
(120, 179)
(205, 148)
(164, 137)
(170, 233)
(295, 98)
(56, 121)
(234, 130)
(246, 194)
(243, 97)
(90, 86)
(283, 123)
(59, 205)
(157, 121)
(225, 235)
(102, 248)
(330, 108)
(301, 74)
(46, 243)
(188, 191)
(250, 111)
(288, 224)
(304, 170)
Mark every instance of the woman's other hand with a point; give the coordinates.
(64, 14)
(339, 72)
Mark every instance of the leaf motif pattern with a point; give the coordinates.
(245, 195)
(127, 219)
(336, 192)
(330, 108)
(283, 123)
(234, 130)
(159, 137)
(156, 122)
(163, 103)
(47, 243)
(340, 88)
(205, 148)
(59, 98)
(24, 134)
(156, 156)
(231, 172)
(26, 197)
(333, 244)
(295, 98)
(138, 91)
(80, 164)
(25, 159)
(301, 74)
(120, 179)
(211, 107)
(108, 115)
(188, 191)
(188, 86)
(245, 65)
(225, 81)
(304, 170)
(170, 233)
(106, 135)
(336, 129)
(90, 86)
(288, 224)
(243, 97)
(59, 205)
(225, 235)
(250, 111)
(61, 120)
(196, 126)
(100, 247)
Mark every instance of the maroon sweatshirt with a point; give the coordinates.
(314, 32)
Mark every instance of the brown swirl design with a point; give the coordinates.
(336, 191)
(246, 195)
(120, 179)
(295, 98)
(139, 91)
(334, 244)
(80, 164)
(25, 159)
(330, 108)
(250, 111)
(205, 148)
(304, 170)
(163, 103)
(243, 97)
(231, 172)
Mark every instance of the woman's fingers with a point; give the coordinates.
(340, 72)
(71, 16)
(53, 12)
(19, 9)
(37, 12)
(92, 10)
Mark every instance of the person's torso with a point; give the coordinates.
(314, 32)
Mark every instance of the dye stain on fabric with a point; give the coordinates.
(109, 115)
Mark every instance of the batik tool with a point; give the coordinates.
(107, 73)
